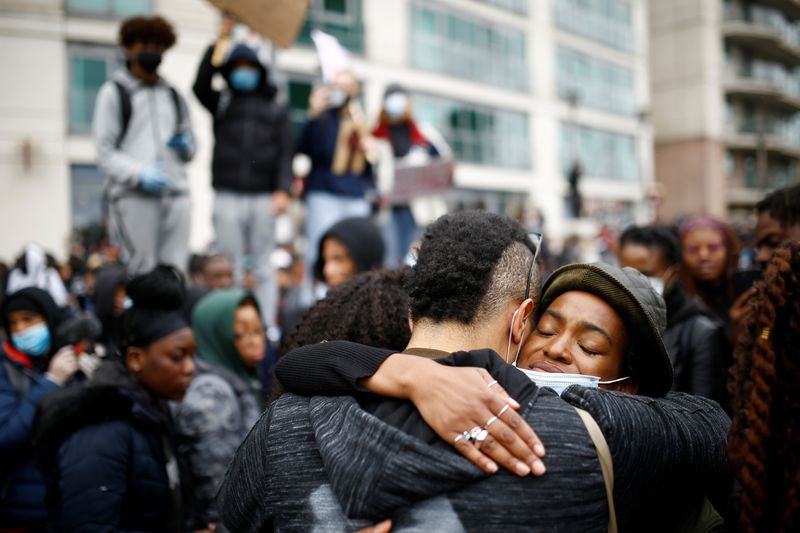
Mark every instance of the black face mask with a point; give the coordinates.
(148, 61)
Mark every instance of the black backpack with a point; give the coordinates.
(126, 110)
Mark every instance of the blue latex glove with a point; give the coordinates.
(181, 143)
(153, 179)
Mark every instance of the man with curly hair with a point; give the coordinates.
(144, 140)
(778, 221)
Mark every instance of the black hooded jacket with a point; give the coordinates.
(254, 146)
(363, 241)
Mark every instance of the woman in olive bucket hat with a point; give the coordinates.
(597, 319)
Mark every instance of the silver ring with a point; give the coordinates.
(466, 436)
(479, 435)
(490, 422)
(505, 408)
(489, 386)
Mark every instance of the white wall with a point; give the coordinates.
(35, 203)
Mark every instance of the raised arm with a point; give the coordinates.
(451, 399)
(202, 87)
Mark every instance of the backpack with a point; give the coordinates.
(126, 110)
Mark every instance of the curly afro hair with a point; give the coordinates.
(369, 308)
(458, 262)
(148, 30)
(782, 205)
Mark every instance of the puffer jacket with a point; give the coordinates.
(211, 422)
(23, 489)
(108, 449)
(253, 145)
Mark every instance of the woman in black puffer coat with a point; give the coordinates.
(109, 445)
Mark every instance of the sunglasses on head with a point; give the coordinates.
(537, 239)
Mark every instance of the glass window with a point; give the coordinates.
(595, 83)
(457, 44)
(603, 154)
(87, 198)
(478, 134)
(89, 67)
(299, 91)
(608, 22)
(340, 18)
(517, 6)
(109, 8)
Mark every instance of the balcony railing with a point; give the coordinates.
(764, 29)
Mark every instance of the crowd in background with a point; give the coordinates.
(107, 418)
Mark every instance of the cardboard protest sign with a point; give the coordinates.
(278, 20)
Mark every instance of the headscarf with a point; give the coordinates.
(212, 321)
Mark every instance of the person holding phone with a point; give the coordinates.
(336, 139)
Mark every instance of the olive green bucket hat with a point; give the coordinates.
(629, 292)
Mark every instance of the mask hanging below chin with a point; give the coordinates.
(560, 381)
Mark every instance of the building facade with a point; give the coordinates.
(726, 102)
(521, 89)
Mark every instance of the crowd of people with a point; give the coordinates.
(473, 386)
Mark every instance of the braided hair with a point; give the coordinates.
(764, 442)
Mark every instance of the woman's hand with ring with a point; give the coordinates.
(453, 400)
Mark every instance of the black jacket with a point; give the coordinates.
(254, 146)
(696, 344)
(110, 455)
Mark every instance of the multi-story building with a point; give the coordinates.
(521, 89)
(726, 102)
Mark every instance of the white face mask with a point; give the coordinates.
(657, 284)
(395, 105)
(559, 381)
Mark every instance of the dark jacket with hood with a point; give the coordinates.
(254, 145)
(363, 241)
(109, 451)
(314, 462)
(697, 345)
(22, 389)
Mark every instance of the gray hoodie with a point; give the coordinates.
(326, 464)
(152, 124)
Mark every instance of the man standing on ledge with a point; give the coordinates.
(144, 139)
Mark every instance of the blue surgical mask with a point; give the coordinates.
(559, 382)
(396, 105)
(34, 341)
(245, 79)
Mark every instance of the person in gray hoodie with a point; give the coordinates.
(144, 139)
(344, 463)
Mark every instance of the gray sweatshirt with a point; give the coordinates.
(152, 124)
